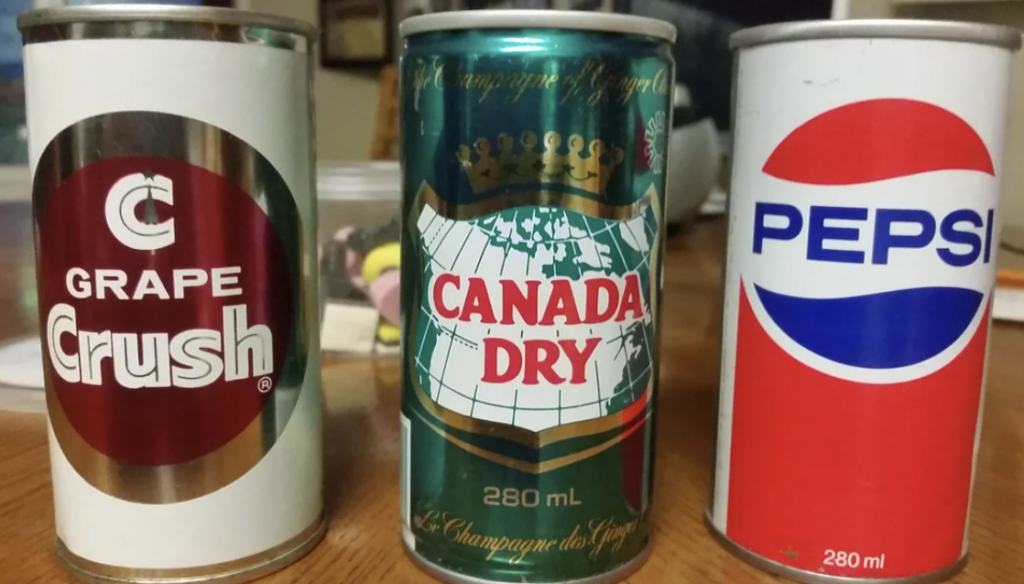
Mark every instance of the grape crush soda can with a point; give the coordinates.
(860, 267)
(174, 220)
(533, 145)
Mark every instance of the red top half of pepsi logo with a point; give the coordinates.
(877, 139)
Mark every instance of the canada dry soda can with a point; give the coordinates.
(863, 225)
(533, 145)
(174, 221)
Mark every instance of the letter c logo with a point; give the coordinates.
(123, 199)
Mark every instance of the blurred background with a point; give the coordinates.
(347, 97)
(360, 42)
(357, 127)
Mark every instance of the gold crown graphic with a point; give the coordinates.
(529, 166)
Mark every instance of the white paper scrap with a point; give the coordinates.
(349, 328)
(1008, 304)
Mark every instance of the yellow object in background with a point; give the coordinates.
(388, 333)
(381, 259)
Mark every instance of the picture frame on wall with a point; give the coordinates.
(355, 33)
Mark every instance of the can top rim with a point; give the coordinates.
(967, 32)
(554, 19)
(155, 12)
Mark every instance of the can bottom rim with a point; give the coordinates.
(445, 575)
(234, 572)
(807, 577)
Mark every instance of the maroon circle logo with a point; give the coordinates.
(166, 304)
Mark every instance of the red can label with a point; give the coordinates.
(168, 307)
(862, 260)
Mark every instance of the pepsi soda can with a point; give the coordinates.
(863, 225)
(174, 214)
(533, 148)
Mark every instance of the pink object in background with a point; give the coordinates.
(384, 293)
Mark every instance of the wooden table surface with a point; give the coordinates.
(362, 449)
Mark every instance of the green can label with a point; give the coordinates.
(531, 271)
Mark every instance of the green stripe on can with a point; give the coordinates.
(533, 204)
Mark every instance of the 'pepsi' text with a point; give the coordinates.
(961, 227)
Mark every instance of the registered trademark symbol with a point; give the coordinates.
(265, 384)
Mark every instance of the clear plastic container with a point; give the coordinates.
(360, 216)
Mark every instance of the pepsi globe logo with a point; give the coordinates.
(166, 307)
(867, 251)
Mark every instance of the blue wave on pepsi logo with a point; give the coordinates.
(875, 331)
